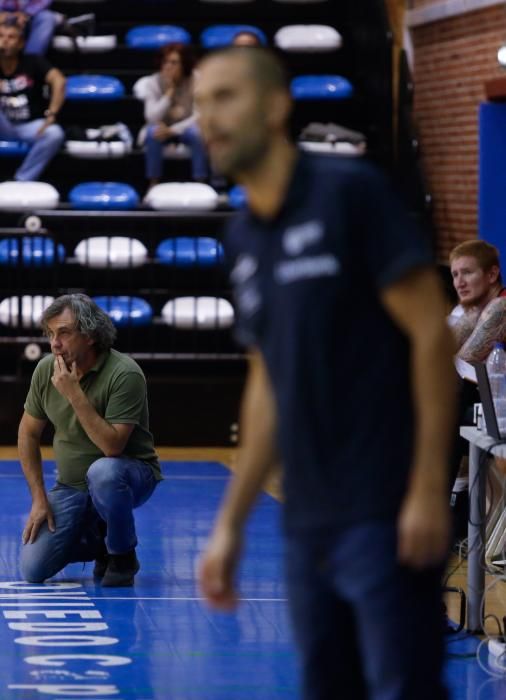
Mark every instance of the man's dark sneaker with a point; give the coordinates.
(121, 569)
(101, 553)
(101, 563)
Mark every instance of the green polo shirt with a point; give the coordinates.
(116, 387)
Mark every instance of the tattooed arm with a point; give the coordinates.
(490, 328)
(464, 325)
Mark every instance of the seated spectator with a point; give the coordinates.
(169, 112)
(245, 38)
(477, 322)
(38, 23)
(35, 20)
(480, 319)
(22, 113)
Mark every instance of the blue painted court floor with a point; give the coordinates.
(159, 641)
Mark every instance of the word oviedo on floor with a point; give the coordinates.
(61, 620)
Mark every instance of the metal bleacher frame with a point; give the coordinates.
(195, 377)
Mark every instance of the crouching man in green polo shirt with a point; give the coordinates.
(96, 399)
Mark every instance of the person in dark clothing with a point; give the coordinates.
(23, 112)
(324, 260)
(33, 18)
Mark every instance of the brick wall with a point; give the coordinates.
(453, 59)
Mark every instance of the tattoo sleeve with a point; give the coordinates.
(464, 326)
(491, 328)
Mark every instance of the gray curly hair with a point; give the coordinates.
(90, 319)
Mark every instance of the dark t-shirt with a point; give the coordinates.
(307, 287)
(21, 93)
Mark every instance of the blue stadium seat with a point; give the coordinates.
(14, 148)
(223, 34)
(94, 87)
(321, 87)
(103, 195)
(152, 37)
(186, 252)
(237, 197)
(126, 310)
(37, 251)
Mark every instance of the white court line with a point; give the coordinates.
(241, 600)
(196, 478)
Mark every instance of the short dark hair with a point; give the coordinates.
(266, 67)
(90, 319)
(184, 52)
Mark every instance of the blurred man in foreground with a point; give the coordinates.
(350, 382)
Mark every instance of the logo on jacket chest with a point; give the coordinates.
(297, 238)
(303, 264)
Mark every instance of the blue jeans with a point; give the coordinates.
(365, 626)
(43, 149)
(191, 137)
(40, 31)
(116, 486)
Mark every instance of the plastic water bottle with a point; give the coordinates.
(496, 368)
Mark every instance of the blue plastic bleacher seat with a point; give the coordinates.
(36, 251)
(103, 195)
(94, 87)
(126, 310)
(223, 34)
(14, 148)
(237, 197)
(152, 37)
(184, 251)
(321, 87)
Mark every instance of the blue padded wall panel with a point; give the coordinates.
(492, 177)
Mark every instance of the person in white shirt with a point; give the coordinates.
(169, 112)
